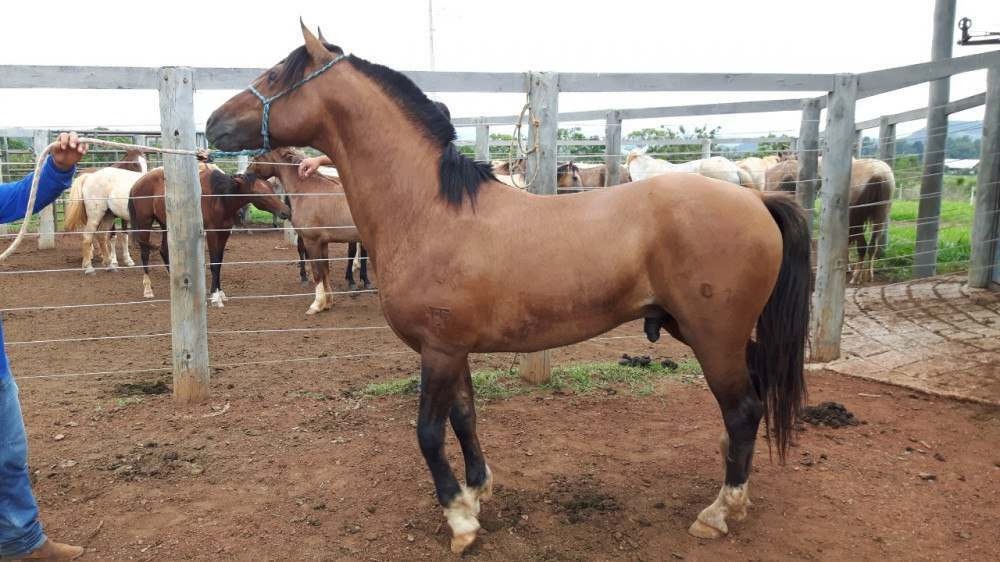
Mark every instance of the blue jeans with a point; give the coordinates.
(20, 530)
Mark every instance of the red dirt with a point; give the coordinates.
(298, 468)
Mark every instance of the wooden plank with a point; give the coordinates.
(693, 82)
(808, 149)
(186, 235)
(921, 113)
(543, 96)
(78, 77)
(831, 274)
(613, 148)
(887, 141)
(881, 81)
(984, 265)
(482, 142)
(932, 181)
(762, 106)
(47, 216)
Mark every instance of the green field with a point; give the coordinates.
(953, 239)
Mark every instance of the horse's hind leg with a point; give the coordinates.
(727, 375)
(87, 247)
(478, 477)
(316, 251)
(352, 248)
(107, 238)
(365, 283)
(303, 256)
(440, 380)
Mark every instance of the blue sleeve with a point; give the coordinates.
(14, 196)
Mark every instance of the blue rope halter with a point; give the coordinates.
(266, 114)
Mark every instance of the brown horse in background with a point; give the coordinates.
(568, 179)
(872, 186)
(722, 268)
(320, 216)
(597, 175)
(222, 196)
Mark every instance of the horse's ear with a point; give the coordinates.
(319, 33)
(313, 45)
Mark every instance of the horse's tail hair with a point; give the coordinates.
(746, 180)
(776, 357)
(76, 208)
(132, 216)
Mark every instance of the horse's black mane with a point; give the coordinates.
(222, 183)
(459, 175)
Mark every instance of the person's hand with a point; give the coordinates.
(67, 151)
(308, 166)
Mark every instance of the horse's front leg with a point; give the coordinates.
(216, 251)
(441, 381)
(87, 248)
(352, 248)
(125, 239)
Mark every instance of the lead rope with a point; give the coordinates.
(40, 161)
(517, 146)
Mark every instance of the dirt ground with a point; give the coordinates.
(299, 467)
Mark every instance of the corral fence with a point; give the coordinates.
(839, 95)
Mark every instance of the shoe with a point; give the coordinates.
(52, 550)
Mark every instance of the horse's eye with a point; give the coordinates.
(272, 76)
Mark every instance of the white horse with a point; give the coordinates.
(94, 201)
(642, 166)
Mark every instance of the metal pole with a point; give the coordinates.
(543, 97)
(612, 148)
(186, 235)
(984, 265)
(831, 274)
(929, 214)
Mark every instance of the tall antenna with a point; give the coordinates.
(430, 30)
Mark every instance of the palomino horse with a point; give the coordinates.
(642, 166)
(78, 214)
(446, 237)
(95, 200)
(222, 196)
(320, 216)
(872, 185)
(758, 167)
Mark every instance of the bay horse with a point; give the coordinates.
(312, 214)
(641, 166)
(447, 236)
(872, 185)
(222, 195)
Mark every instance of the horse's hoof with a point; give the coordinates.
(368, 286)
(112, 267)
(312, 311)
(485, 492)
(147, 294)
(90, 271)
(461, 542)
(703, 531)
(130, 264)
(305, 283)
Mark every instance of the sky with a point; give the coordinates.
(470, 35)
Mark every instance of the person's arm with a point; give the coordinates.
(56, 176)
(308, 166)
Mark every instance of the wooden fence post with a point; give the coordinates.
(543, 96)
(984, 265)
(706, 148)
(47, 216)
(612, 148)
(929, 213)
(186, 234)
(858, 143)
(482, 140)
(808, 149)
(831, 274)
(886, 141)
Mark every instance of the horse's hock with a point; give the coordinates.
(935, 334)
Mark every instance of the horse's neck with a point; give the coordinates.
(388, 167)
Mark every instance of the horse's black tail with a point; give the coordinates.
(777, 355)
(131, 217)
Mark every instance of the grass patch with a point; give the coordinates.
(954, 247)
(583, 378)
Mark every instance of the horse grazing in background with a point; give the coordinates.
(642, 166)
(321, 217)
(222, 195)
(567, 175)
(447, 237)
(596, 175)
(872, 186)
(95, 200)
